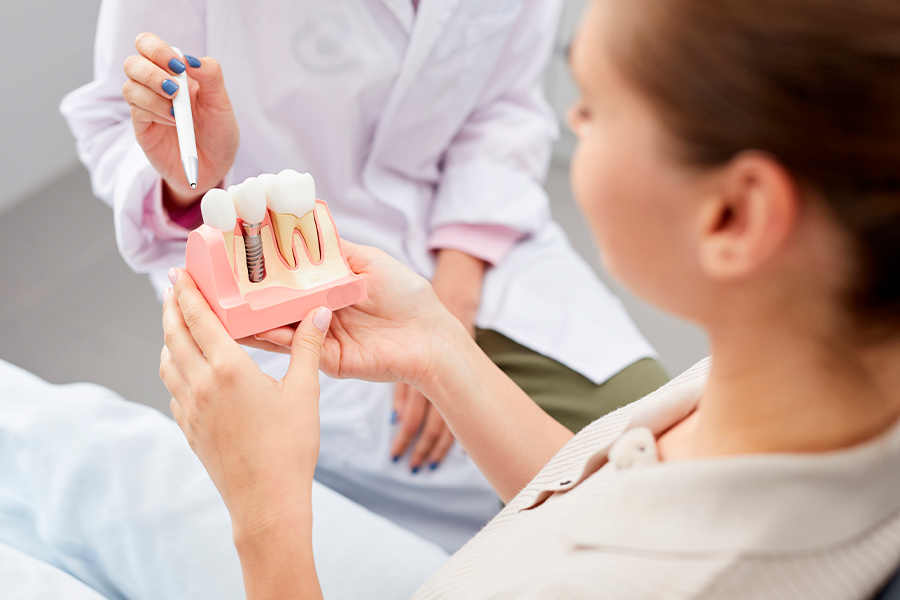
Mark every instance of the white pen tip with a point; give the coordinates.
(193, 186)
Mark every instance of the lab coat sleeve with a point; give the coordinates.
(494, 168)
(100, 120)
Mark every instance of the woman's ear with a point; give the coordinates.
(749, 217)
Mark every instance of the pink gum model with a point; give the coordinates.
(268, 307)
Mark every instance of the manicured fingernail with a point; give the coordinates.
(176, 66)
(415, 470)
(194, 62)
(169, 86)
(173, 275)
(396, 458)
(166, 293)
(434, 465)
(393, 417)
(172, 110)
(322, 319)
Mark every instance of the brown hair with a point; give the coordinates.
(816, 83)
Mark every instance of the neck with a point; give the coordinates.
(773, 390)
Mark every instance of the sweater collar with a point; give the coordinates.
(767, 503)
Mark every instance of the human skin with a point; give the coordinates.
(743, 251)
(740, 249)
(457, 278)
(402, 333)
(154, 126)
(457, 282)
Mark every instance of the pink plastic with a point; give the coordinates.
(269, 307)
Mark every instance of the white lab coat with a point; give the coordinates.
(407, 122)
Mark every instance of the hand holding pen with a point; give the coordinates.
(151, 87)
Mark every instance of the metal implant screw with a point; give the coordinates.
(256, 262)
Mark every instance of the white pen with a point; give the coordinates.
(184, 126)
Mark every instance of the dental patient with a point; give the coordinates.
(737, 162)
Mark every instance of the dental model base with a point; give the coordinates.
(268, 253)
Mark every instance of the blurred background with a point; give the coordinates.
(70, 310)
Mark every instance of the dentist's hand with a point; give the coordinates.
(457, 283)
(149, 91)
(258, 438)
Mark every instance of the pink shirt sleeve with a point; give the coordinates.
(490, 243)
(166, 225)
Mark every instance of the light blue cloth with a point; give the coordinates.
(109, 492)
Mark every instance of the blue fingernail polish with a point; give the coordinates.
(176, 66)
(415, 470)
(172, 110)
(434, 465)
(194, 62)
(396, 458)
(393, 417)
(169, 86)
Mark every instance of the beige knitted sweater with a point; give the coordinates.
(606, 519)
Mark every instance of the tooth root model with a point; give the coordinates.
(291, 197)
(250, 205)
(253, 291)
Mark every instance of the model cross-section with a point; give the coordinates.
(268, 252)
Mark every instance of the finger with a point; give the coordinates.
(400, 392)
(172, 376)
(140, 96)
(431, 431)
(154, 49)
(253, 342)
(207, 73)
(410, 421)
(205, 327)
(440, 448)
(306, 348)
(358, 256)
(154, 78)
(282, 336)
(143, 116)
(178, 339)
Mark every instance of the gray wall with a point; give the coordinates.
(47, 49)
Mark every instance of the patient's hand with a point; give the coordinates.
(258, 438)
(391, 336)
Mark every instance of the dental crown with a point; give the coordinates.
(218, 210)
(291, 192)
(249, 200)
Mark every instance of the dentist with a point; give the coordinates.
(428, 134)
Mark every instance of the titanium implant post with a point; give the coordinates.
(256, 262)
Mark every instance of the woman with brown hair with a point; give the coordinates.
(739, 162)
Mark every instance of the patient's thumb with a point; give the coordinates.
(306, 346)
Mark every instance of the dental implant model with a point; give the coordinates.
(268, 253)
(250, 204)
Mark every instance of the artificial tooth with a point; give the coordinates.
(217, 209)
(249, 200)
(250, 205)
(291, 197)
(266, 178)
